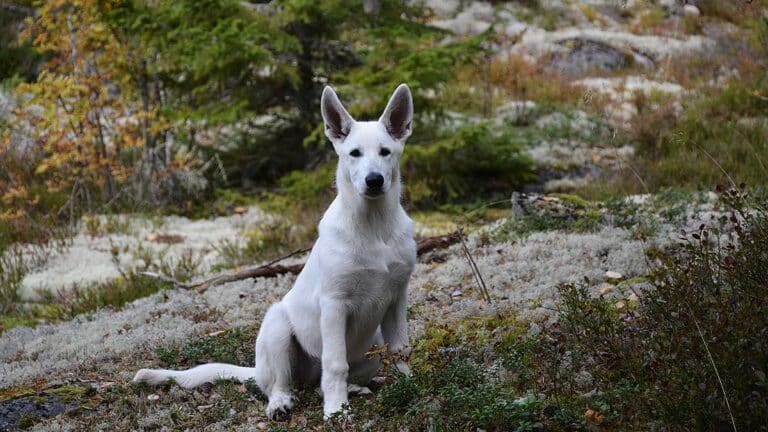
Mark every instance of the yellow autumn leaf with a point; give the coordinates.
(43, 167)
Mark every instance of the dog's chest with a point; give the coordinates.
(380, 269)
(375, 272)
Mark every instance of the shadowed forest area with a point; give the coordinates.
(606, 161)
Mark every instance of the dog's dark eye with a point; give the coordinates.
(355, 153)
(384, 152)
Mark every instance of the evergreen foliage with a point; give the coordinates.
(17, 58)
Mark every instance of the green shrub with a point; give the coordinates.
(17, 58)
(473, 164)
(308, 186)
(456, 395)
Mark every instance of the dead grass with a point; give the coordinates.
(521, 80)
(483, 89)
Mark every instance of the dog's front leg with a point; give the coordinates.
(394, 329)
(335, 368)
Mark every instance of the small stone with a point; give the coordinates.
(620, 305)
(203, 407)
(456, 293)
(583, 378)
(240, 210)
(153, 397)
(692, 11)
(261, 426)
(633, 297)
(613, 275)
(104, 385)
(605, 288)
(152, 237)
(668, 4)
(551, 410)
(522, 400)
(534, 329)
(217, 333)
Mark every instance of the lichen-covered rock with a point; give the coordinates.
(585, 55)
(88, 259)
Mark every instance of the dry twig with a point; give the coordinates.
(273, 269)
(475, 270)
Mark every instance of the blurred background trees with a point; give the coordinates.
(132, 104)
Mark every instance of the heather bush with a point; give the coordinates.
(690, 355)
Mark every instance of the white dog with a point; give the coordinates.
(351, 294)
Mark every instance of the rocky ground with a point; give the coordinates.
(100, 351)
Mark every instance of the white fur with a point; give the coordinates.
(351, 294)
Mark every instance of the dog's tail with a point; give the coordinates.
(190, 378)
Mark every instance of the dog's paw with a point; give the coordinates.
(280, 414)
(403, 368)
(336, 412)
(279, 407)
(358, 390)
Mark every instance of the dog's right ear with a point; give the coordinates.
(337, 120)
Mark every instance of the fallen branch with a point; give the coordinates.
(273, 269)
(438, 242)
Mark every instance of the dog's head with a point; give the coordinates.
(369, 151)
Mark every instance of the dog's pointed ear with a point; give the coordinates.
(398, 116)
(337, 120)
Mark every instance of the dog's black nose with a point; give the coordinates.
(374, 181)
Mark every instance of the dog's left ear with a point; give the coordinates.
(398, 116)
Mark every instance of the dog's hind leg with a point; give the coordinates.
(275, 355)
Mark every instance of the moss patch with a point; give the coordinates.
(21, 408)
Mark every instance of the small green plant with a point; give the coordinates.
(98, 225)
(12, 270)
(568, 213)
(184, 267)
(115, 293)
(270, 240)
(233, 346)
